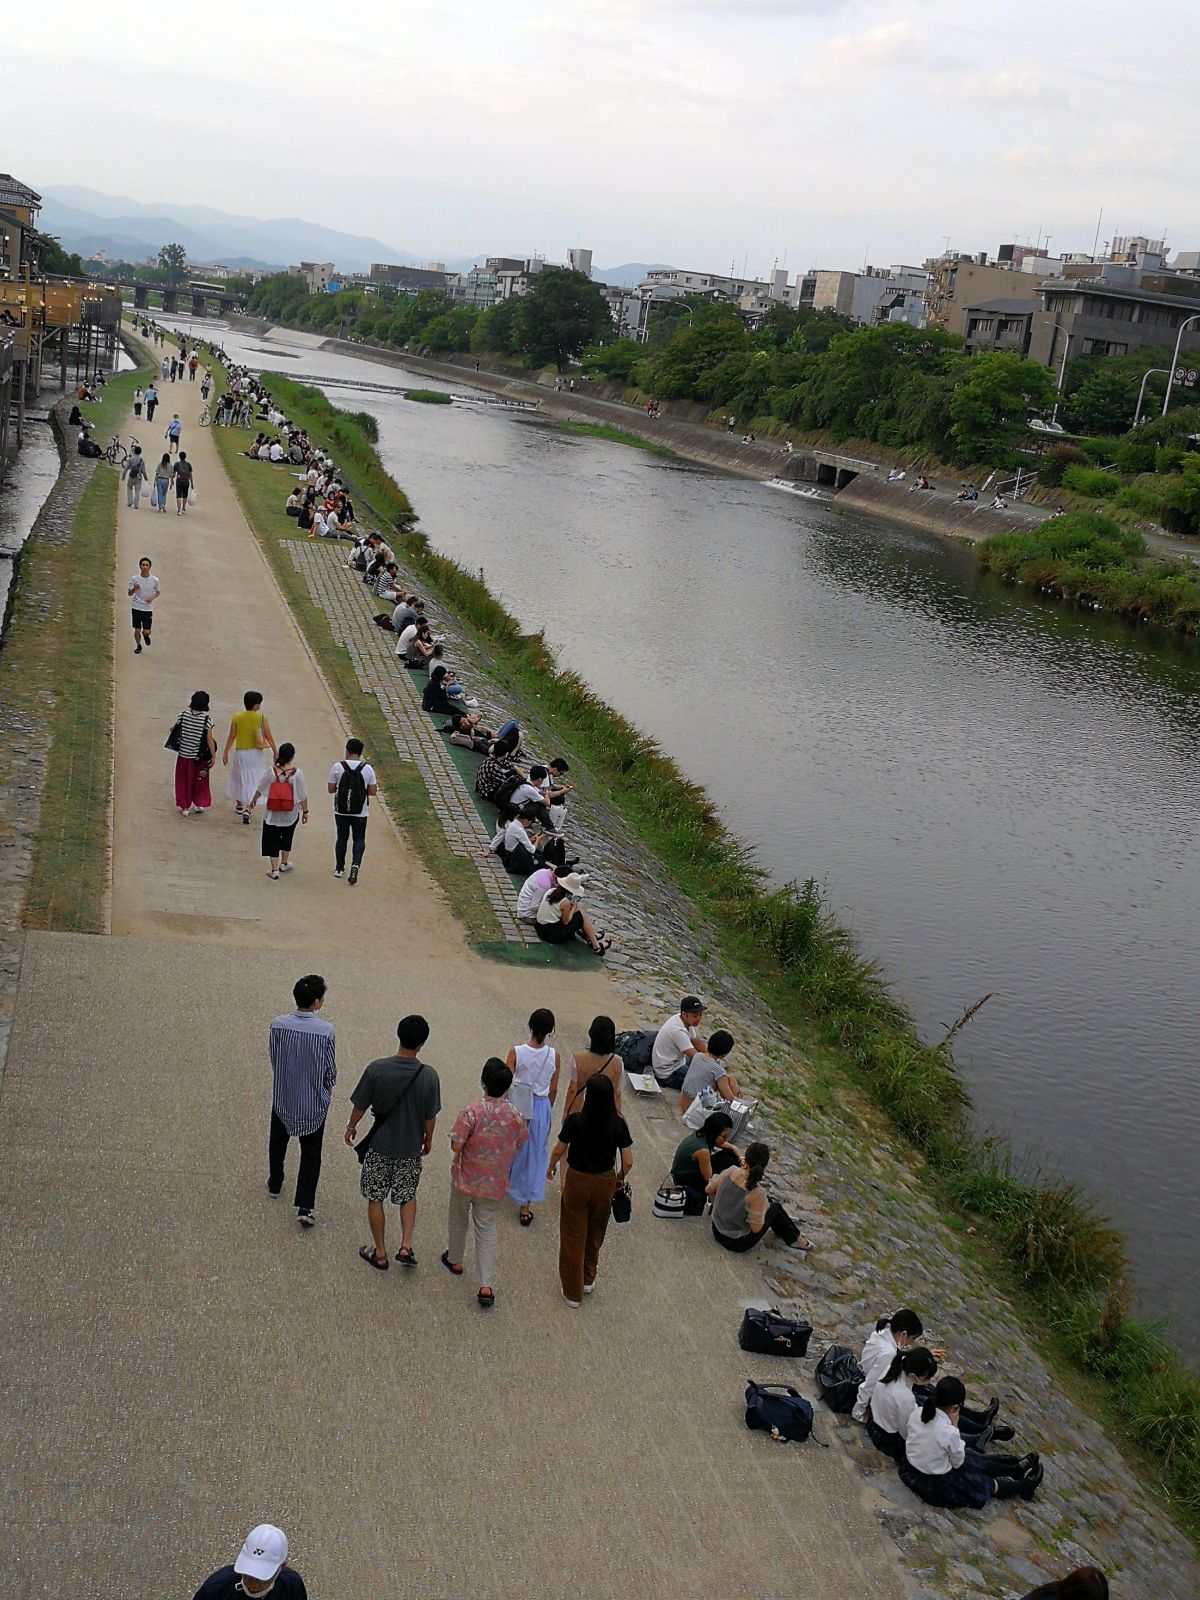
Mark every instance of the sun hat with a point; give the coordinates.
(571, 882)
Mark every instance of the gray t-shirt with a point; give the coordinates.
(402, 1134)
(703, 1073)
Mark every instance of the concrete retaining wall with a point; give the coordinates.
(936, 510)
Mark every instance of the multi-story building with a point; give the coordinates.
(20, 242)
(894, 294)
(409, 280)
(959, 281)
(1114, 308)
(1002, 325)
(580, 261)
(671, 282)
(318, 275)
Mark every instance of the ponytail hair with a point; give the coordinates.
(915, 1363)
(757, 1157)
(893, 1372)
(949, 1392)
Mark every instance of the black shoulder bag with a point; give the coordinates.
(368, 1138)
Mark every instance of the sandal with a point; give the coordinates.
(525, 1217)
(449, 1265)
(602, 946)
(486, 1298)
(406, 1257)
(367, 1252)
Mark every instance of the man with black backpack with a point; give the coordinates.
(351, 783)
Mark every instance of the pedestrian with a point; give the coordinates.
(250, 738)
(185, 481)
(403, 1094)
(286, 804)
(303, 1073)
(205, 385)
(162, 484)
(193, 363)
(261, 1568)
(133, 470)
(485, 1139)
(351, 783)
(151, 401)
(591, 1141)
(174, 429)
(165, 369)
(535, 1068)
(143, 591)
(195, 751)
(138, 397)
(174, 368)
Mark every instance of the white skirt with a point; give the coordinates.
(245, 771)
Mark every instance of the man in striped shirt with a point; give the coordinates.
(304, 1072)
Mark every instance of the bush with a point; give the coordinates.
(365, 423)
(428, 397)
(1055, 462)
(1090, 481)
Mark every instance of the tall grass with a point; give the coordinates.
(1067, 1256)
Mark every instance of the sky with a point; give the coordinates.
(691, 132)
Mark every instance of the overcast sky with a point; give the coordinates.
(695, 132)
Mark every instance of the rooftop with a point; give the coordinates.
(15, 193)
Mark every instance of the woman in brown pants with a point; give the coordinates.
(591, 1140)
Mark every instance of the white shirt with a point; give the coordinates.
(877, 1356)
(277, 451)
(672, 1040)
(549, 912)
(335, 774)
(282, 819)
(143, 591)
(523, 792)
(515, 834)
(534, 1066)
(405, 639)
(533, 891)
(893, 1406)
(934, 1447)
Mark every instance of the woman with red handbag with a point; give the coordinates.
(286, 796)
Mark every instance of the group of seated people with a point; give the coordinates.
(321, 506)
(939, 1444)
(276, 451)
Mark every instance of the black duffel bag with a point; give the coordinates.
(838, 1376)
(770, 1333)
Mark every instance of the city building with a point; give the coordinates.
(409, 280)
(671, 282)
(959, 281)
(20, 241)
(1113, 308)
(1002, 325)
(874, 295)
(318, 275)
(580, 261)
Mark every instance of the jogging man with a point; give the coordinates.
(351, 783)
(143, 592)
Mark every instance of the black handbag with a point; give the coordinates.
(622, 1203)
(838, 1374)
(770, 1333)
(171, 742)
(368, 1138)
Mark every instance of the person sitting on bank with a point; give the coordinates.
(435, 697)
(513, 842)
(893, 1402)
(87, 446)
(561, 919)
(942, 1471)
(741, 1214)
(675, 1044)
(415, 644)
(707, 1070)
(899, 1331)
(466, 730)
(292, 504)
(555, 790)
(701, 1157)
(497, 777)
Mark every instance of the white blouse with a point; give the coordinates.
(934, 1447)
(893, 1404)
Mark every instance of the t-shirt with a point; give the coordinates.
(703, 1073)
(145, 590)
(277, 451)
(191, 732)
(524, 792)
(282, 819)
(533, 891)
(223, 1585)
(671, 1041)
(174, 429)
(406, 638)
(586, 1152)
(335, 775)
(683, 1163)
(490, 1132)
(403, 1132)
(183, 471)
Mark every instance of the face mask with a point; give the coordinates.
(257, 1594)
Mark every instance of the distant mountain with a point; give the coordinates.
(627, 275)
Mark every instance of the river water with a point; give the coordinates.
(999, 795)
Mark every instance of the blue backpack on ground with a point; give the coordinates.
(777, 1407)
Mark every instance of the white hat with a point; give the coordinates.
(572, 882)
(263, 1553)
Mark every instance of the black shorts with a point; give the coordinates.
(182, 485)
(143, 619)
(276, 840)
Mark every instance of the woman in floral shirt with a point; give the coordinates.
(484, 1139)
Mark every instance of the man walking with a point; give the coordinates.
(303, 1073)
(261, 1568)
(144, 590)
(485, 1138)
(184, 477)
(404, 1096)
(151, 401)
(133, 470)
(351, 783)
(675, 1044)
(174, 429)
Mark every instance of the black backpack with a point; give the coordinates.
(636, 1047)
(839, 1376)
(769, 1333)
(778, 1406)
(351, 794)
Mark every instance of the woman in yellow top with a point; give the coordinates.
(249, 738)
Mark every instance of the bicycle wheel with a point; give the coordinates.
(116, 454)
(204, 418)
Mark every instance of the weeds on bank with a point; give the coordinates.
(429, 397)
(605, 430)
(1067, 1256)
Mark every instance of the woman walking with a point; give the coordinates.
(484, 1139)
(286, 796)
(138, 397)
(599, 1057)
(741, 1215)
(196, 752)
(249, 738)
(162, 483)
(535, 1068)
(591, 1141)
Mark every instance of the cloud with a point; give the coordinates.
(1011, 88)
(1027, 158)
(844, 58)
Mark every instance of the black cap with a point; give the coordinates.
(691, 1002)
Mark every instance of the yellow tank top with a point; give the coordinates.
(247, 724)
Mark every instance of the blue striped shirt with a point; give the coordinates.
(304, 1070)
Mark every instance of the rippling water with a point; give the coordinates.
(998, 795)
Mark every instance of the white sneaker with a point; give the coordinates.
(588, 1287)
(471, 700)
(574, 1304)
(337, 872)
(307, 1219)
(272, 874)
(285, 866)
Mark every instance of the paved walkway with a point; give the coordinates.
(181, 1361)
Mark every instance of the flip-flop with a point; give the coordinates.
(525, 1218)
(449, 1265)
(367, 1252)
(486, 1298)
(406, 1257)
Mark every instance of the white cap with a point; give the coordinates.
(263, 1553)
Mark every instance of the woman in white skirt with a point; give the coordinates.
(534, 1067)
(249, 738)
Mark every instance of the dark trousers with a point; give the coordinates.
(347, 827)
(775, 1221)
(310, 1162)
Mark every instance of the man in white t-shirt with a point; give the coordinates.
(143, 592)
(276, 451)
(675, 1043)
(351, 783)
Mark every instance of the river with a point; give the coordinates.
(998, 794)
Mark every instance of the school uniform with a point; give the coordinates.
(877, 1356)
(892, 1408)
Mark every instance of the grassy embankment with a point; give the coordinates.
(56, 664)
(1089, 560)
(1067, 1261)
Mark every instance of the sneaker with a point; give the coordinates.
(337, 872)
(307, 1219)
(588, 1287)
(574, 1304)
(147, 641)
(274, 1193)
(246, 818)
(353, 878)
(137, 649)
(272, 874)
(471, 701)
(285, 866)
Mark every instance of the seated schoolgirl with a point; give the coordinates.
(741, 1213)
(941, 1470)
(514, 844)
(893, 1402)
(701, 1157)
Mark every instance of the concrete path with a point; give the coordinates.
(181, 1361)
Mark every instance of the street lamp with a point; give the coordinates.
(1137, 415)
(1175, 359)
(648, 302)
(1062, 371)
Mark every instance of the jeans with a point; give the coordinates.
(310, 1162)
(484, 1215)
(346, 827)
(674, 1080)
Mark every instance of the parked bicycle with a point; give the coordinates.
(116, 454)
(204, 418)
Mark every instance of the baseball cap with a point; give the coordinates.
(263, 1553)
(571, 882)
(691, 1003)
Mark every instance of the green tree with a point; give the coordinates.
(498, 328)
(59, 263)
(172, 258)
(1100, 393)
(615, 363)
(992, 402)
(562, 313)
(682, 369)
